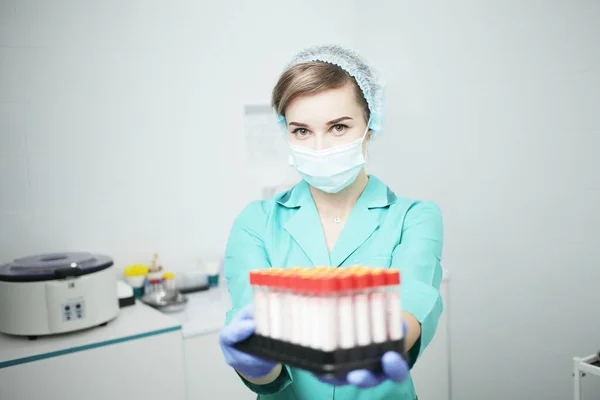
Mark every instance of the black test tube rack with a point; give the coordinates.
(329, 364)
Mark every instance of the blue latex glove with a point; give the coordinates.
(240, 328)
(394, 367)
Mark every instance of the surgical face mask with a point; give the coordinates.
(329, 170)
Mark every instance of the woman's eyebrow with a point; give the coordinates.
(335, 121)
(300, 124)
(332, 122)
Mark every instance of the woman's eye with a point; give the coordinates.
(339, 128)
(300, 132)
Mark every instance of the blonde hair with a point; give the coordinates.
(312, 78)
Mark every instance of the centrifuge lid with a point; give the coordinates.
(45, 267)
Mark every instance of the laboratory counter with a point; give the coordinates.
(204, 312)
(111, 361)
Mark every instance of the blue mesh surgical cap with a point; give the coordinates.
(350, 61)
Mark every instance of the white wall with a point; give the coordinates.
(122, 122)
(494, 113)
(121, 132)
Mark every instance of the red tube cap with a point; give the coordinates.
(378, 278)
(362, 281)
(346, 282)
(392, 277)
(329, 284)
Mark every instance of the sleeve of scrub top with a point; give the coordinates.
(245, 252)
(418, 257)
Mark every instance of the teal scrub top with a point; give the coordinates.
(382, 230)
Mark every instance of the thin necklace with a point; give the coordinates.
(337, 220)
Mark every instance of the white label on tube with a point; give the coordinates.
(255, 301)
(287, 315)
(394, 316)
(328, 323)
(275, 308)
(315, 331)
(378, 317)
(261, 312)
(306, 321)
(346, 322)
(361, 307)
(296, 319)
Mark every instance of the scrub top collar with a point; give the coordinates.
(305, 226)
(375, 195)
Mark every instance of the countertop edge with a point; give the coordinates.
(43, 356)
(191, 333)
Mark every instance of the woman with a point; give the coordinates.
(331, 104)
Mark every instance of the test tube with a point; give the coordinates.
(275, 305)
(328, 311)
(260, 302)
(305, 309)
(378, 306)
(288, 304)
(346, 330)
(283, 293)
(394, 305)
(314, 303)
(254, 287)
(295, 308)
(361, 308)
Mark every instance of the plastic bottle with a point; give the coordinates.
(169, 280)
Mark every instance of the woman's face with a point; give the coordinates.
(325, 120)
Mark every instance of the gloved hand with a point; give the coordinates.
(240, 328)
(395, 368)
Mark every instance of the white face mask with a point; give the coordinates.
(329, 170)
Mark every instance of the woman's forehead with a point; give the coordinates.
(323, 107)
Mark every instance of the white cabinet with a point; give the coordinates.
(119, 371)
(207, 376)
(431, 374)
(137, 356)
